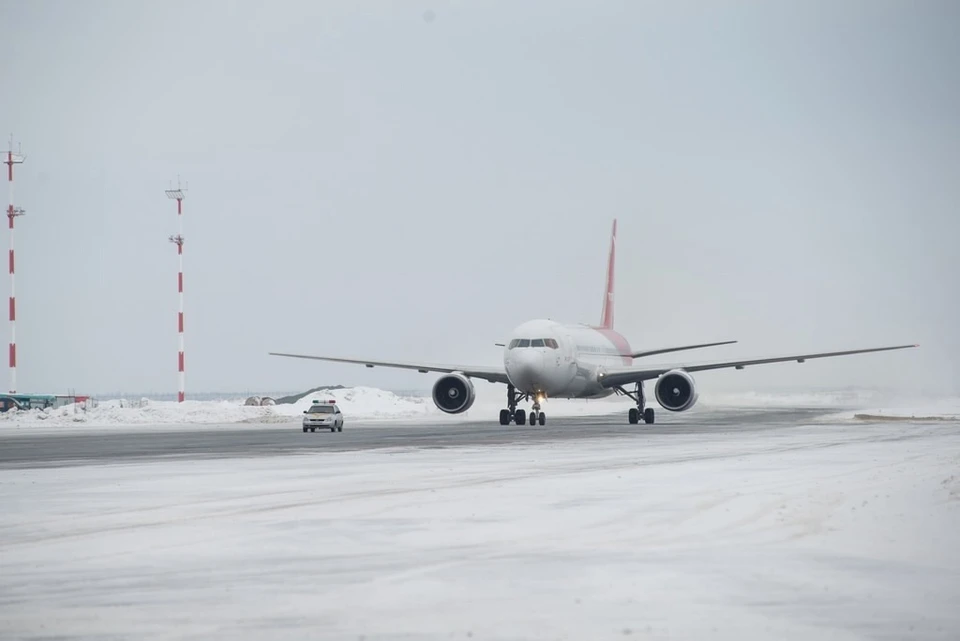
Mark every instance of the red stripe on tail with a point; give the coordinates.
(606, 320)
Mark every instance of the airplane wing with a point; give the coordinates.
(665, 350)
(616, 377)
(492, 374)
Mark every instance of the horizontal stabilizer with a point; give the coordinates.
(666, 350)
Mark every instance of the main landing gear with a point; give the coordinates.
(638, 412)
(517, 415)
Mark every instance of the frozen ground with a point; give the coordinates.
(361, 402)
(358, 404)
(819, 531)
(369, 405)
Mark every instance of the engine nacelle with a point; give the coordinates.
(453, 393)
(676, 391)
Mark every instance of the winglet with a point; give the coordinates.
(606, 318)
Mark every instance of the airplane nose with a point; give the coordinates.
(525, 368)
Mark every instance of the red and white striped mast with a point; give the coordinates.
(178, 195)
(12, 212)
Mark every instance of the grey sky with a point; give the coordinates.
(364, 181)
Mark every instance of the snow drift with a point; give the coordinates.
(357, 403)
(369, 405)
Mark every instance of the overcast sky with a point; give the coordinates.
(412, 180)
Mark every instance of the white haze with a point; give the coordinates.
(378, 180)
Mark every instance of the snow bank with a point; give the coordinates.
(357, 403)
(813, 398)
(946, 409)
(362, 403)
(851, 404)
(365, 404)
(370, 405)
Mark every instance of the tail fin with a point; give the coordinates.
(606, 319)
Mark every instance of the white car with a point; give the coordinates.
(323, 415)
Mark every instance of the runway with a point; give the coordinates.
(141, 443)
(720, 523)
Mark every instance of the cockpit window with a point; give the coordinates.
(533, 342)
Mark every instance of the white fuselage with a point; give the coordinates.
(551, 360)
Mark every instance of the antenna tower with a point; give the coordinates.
(178, 195)
(12, 212)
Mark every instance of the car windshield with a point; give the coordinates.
(321, 409)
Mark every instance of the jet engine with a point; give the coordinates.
(453, 393)
(675, 391)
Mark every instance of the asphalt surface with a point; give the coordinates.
(223, 441)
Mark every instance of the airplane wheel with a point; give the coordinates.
(648, 415)
(504, 417)
(633, 416)
(305, 430)
(543, 418)
(520, 417)
(340, 429)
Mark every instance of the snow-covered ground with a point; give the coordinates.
(856, 404)
(358, 404)
(928, 409)
(794, 398)
(361, 403)
(803, 533)
(369, 405)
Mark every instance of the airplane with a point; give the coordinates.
(546, 359)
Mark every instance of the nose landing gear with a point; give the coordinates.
(518, 416)
(536, 415)
(638, 412)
